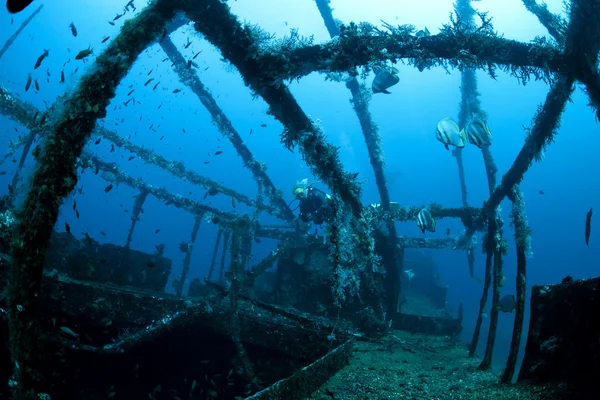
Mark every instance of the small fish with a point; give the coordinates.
(77, 214)
(105, 39)
(130, 4)
(112, 23)
(213, 191)
(37, 85)
(588, 227)
(447, 231)
(156, 231)
(40, 59)
(541, 192)
(98, 141)
(263, 125)
(62, 76)
(176, 90)
(448, 133)
(67, 228)
(155, 86)
(149, 72)
(103, 233)
(218, 152)
(189, 64)
(74, 204)
(73, 29)
(108, 188)
(28, 84)
(130, 158)
(84, 53)
(507, 303)
(188, 44)
(129, 94)
(68, 331)
(148, 81)
(478, 133)
(112, 148)
(233, 203)
(197, 54)
(384, 80)
(425, 221)
(251, 131)
(118, 16)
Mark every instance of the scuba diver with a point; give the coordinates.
(313, 202)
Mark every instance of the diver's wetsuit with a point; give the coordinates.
(312, 207)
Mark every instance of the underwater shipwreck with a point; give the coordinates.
(72, 307)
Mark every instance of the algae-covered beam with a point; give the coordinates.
(428, 243)
(54, 178)
(15, 35)
(216, 216)
(451, 48)
(269, 260)
(140, 198)
(469, 107)
(471, 217)
(545, 125)
(523, 241)
(188, 255)
(555, 25)
(226, 236)
(214, 255)
(239, 231)
(258, 169)
(582, 43)
(360, 103)
(496, 246)
(179, 169)
(557, 28)
(25, 113)
(239, 45)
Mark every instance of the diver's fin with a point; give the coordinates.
(386, 92)
(446, 146)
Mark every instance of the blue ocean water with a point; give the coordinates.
(421, 171)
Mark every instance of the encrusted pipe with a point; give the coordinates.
(523, 241)
(545, 124)
(54, 178)
(497, 243)
(239, 46)
(226, 236)
(484, 295)
(217, 216)
(135, 214)
(214, 254)
(236, 274)
(15, 35)
(258, 169)
(360, 103)
(188, 254)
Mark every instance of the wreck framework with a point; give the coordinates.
(460, 44)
